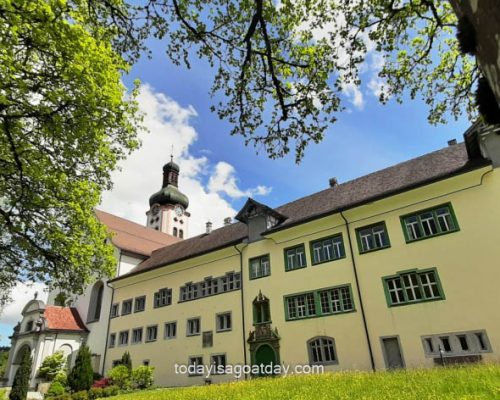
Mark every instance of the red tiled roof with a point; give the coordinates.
(129, 236)
(63, 319)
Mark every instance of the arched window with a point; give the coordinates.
(68, 352)
(322, 350)
(175, 232)
(181, 233)
(95, 302)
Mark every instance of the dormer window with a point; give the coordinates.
(259, 218)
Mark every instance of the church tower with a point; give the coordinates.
(167, 212)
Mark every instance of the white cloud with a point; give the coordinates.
(224, 181)
(20, 295)
(354, 94)
(168, 124)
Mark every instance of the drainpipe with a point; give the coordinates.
(242, 308)
(363, 316)
(109, 315)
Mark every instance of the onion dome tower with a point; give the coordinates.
(167, 207)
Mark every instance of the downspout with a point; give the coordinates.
(365, 325)
(109, 316)
(242, 308)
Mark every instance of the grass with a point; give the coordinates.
(470, 382)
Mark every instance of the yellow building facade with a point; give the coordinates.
(395, 269)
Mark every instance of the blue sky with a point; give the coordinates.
(218, 172)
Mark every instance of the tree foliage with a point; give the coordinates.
(65, 121)
(52, 365)
(81, 376)
(20, 385)
(126, 360)
(281, 66)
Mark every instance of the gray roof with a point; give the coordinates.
(432, 167)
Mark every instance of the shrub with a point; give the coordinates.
(81, 376)
(120, 376)
(62, 378)
(126, 360)
(81, 395)
(96, 393)
(64, 396)
(112, 390)
(21, 379)
(97, 376)
(101, 383)
(142, 377)
(52, 365)
(55, 389)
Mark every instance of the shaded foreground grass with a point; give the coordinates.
(470, 382)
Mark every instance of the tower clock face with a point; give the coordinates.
(178, 211)
(155, 209)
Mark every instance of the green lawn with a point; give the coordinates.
(472, 382)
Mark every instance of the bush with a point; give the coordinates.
(65, 396)
(62, 378)
(52, 365)
(81, 376)
(126, 360)
(112, 390)
(55, 389)
(97, 376)
(142, 377)
(21, 379)
(120, 376)
(101, 383)
(96, 393)
(81, 395)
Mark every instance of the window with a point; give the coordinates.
(219, 363)
(295, 258)
(456, 344)
(327, 249)
(321, 302)
(260, 267)
(195, 366)
(137, 335)
(29, 326)
(151, 333)
(445, 343)
(123, 338)
(322, 351)
(145, 363)
(223, 322)
(481, 341)
(413, 287)
(261, 311)
(115, 310)
(372, 237)
(335, 300)
(181, 233)
(175, 232)
(210, 286)
(140, 304)
(127, 307)
(207, 339)
(428, 223)
(95, 302)
(463, 342)
(193, 326)
(170, 330)
(163, 298)
(112, 340)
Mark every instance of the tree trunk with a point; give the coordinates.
(485, 17)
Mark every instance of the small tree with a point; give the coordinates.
(21, 380)
(81, 376)
(127, 360)
(120, 376)
(142, 377)
(52, 365)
